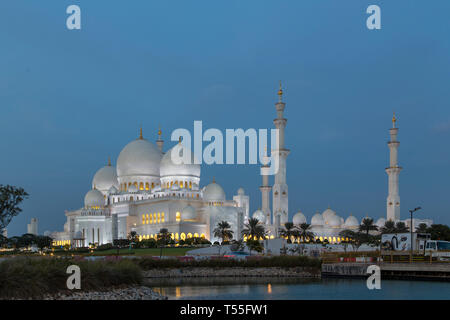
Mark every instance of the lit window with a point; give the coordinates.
(189, 235)
(178, 216)
(196, 235)
(183, 236)
(147, 186)
(159, 217)
(162, 217)
(141, 186)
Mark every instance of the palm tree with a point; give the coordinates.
(289, 231)
(163, 238)
(389, 227)
(400, 227)
(367, 226)
(422, 228)
(223, 231)
(305, 231)
(254, 229)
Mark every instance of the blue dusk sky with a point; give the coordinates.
(71, 98)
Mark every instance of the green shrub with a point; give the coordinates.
(256, 262)
(26, 277)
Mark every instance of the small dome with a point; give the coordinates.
(327, 214)
(213, 192)
(188, 213)
(241, 191)
(105, 178)
(317, 220)
(113, 190)
(381, 222)
(94, 199)
(351, 222)
(335, 221)
(139, 158)
(299, 218)
(132, 189)
(170, 168)
(258, 214)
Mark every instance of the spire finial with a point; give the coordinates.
(159, 131)
(140, 133)
(214, 179)
(109, 161)
(179, 140)
(394, 120)
(280, 93)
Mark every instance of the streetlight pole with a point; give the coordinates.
(411, 229)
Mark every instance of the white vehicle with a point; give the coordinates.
(439, 249)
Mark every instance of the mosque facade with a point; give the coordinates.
(146, 192)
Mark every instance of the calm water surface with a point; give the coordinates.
(287, 289)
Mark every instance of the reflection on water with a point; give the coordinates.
(262, 288)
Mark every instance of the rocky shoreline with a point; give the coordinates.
(130, 293)
(232, 272)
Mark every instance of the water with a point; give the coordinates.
(297, 289)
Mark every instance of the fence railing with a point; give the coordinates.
(384, 256)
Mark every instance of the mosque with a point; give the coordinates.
(147, 192)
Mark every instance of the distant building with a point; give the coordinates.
(32, 227)
(5, 233)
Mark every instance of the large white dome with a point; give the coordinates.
(317, 220)
(94, 199)
(258, 214)
(170, 168)
(328, 214)
(188, 213)
(351, 222)
(139, 158)
(299, 218)
(214, 192)
(105, 178)
(335, 221)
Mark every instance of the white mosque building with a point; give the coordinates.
(147, 192)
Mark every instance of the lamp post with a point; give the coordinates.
(411, 228)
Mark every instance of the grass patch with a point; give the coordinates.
(33, 277)
(263, 262)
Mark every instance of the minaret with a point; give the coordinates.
(280, 188)
(160, 142)
(393, 171)
(265, 188)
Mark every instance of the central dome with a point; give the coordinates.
(139, 158)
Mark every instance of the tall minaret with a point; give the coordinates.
(280, 188)
(393, 199)
(265, 188)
